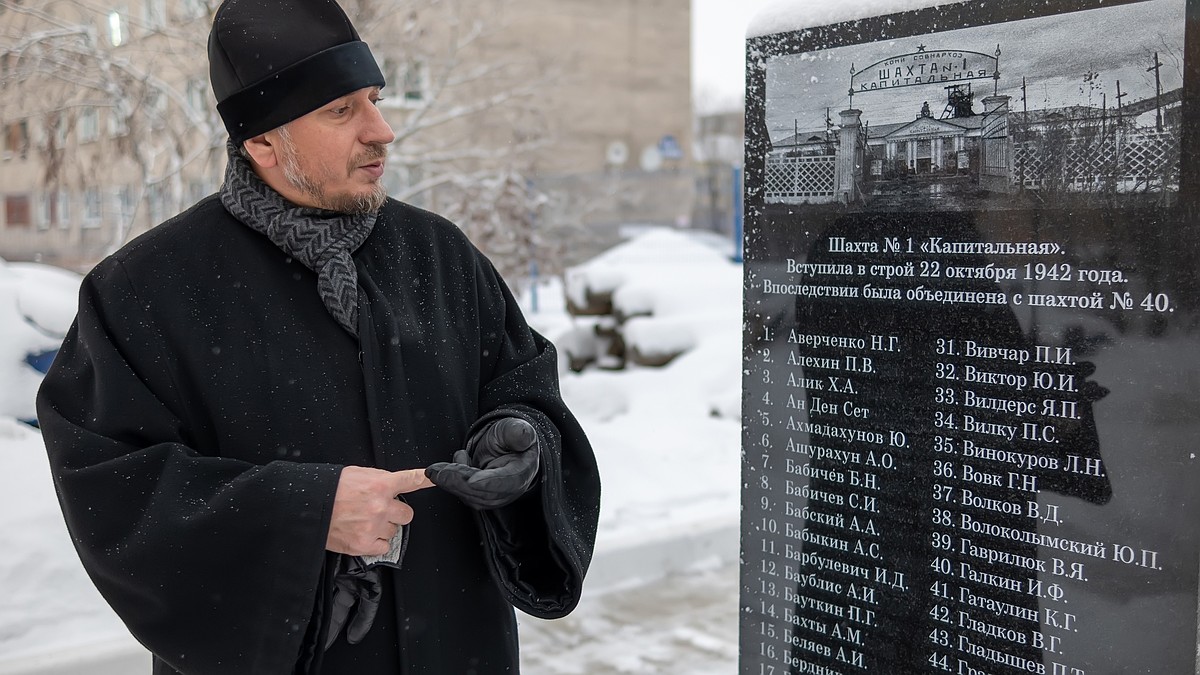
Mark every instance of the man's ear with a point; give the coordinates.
(264, 153)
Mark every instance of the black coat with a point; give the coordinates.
(201, 408)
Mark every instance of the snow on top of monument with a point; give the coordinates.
(781, 16)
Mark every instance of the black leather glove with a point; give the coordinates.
(499, 464)
(356, 594)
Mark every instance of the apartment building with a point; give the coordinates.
(109, 125)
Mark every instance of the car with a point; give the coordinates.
(37, 308)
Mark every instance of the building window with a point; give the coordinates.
(56, 130)
(408, 80)
(197, 190)
(390, 70)
(118, 123)
(93, 208)
(156, 204)
(197, 95)
(16, 139)
(118, 28)
(415, 83)
(125, 204)
(89, 124)
(193, 9)
(64, 210)
(154, 12)
(400, 180)
(49, 211)
(16, 211)
(156, 108)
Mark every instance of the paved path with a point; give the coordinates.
(683, 624)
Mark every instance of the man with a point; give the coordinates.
(250, 386)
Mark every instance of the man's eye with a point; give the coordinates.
(377, 100)
(341, 110)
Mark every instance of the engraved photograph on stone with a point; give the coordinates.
(1013, 115)
(971, 354)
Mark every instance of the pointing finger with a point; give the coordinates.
(410, 480)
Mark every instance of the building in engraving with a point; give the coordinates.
(923, 145)
(1076, 148)
(945, 129)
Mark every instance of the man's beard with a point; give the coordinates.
(314, 186)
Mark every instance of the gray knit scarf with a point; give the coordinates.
(321, 240)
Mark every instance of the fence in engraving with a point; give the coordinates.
(995, 143)
(1139, 161)
(797, 180)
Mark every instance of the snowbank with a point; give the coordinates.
(48, 603)
(670, 289)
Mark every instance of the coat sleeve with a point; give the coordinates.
(213, 563)
(539, 547)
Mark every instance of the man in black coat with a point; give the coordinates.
(246, 421)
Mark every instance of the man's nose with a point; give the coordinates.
(376, 130)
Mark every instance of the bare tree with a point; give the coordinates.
(500, 214)
(66, 64)
(465, 106)
(463, 102)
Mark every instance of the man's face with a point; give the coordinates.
(333, 157)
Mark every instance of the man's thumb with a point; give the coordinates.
(516, 435)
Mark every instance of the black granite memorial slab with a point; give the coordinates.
(972, 342)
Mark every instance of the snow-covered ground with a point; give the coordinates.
(666, 439)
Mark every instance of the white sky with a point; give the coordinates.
(1053, 53)
(719, 51)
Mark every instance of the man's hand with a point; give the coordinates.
(366, 513)
(499, 465)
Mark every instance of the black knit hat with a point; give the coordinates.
(271, 61)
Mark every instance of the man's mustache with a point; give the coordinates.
(373, 152)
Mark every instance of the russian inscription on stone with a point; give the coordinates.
(971, 350)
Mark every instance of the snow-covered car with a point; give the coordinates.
(37, 306)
